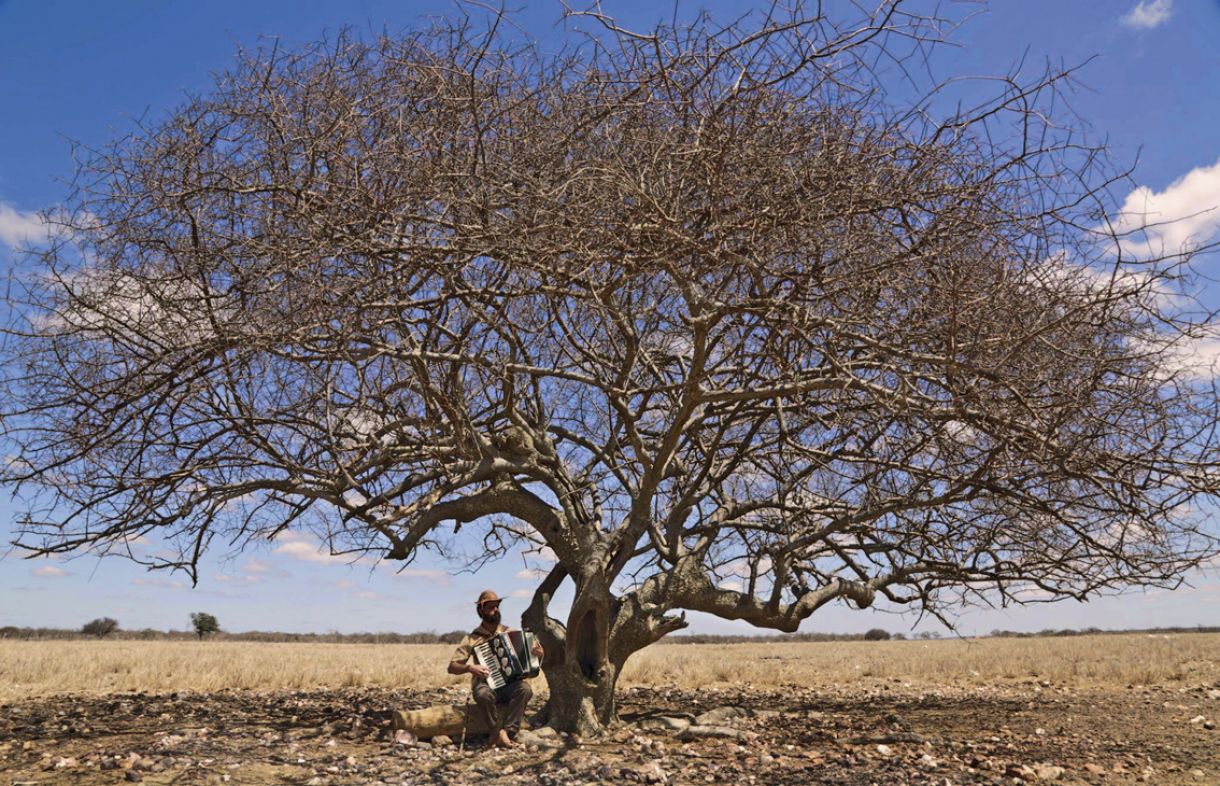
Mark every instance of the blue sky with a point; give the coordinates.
(85, 71)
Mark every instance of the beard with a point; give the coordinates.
(490, 617)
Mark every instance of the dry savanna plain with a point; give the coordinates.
(1105, 709)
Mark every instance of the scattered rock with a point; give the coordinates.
(441, 741)
(133, 776)
(1197, 720)
(720, 715)
(1095, 769)
(710, 732)
(404, 737)
(651, 773)
(888, 739)
(1048, 772)
(665, 723)
(61, 763)
(540, 739)
(1019, 771)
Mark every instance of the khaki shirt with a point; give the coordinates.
(465, 650)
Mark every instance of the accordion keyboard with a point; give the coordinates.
(497, 673)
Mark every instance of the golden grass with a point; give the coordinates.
(38, 668)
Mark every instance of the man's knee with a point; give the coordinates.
(519, 693)
(484, 695)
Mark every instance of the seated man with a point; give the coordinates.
(512, 697)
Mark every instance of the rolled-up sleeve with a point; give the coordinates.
(463, 652)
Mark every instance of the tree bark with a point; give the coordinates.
(580, 703)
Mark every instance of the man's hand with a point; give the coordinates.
(478, 670)
(537, 650)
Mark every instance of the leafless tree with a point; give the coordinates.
(704, 312)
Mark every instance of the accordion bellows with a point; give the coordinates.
(508, 657)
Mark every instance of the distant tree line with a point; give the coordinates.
(1047, 632)
(151, 634)
(102, 628)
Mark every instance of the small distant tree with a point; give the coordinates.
(204, 623)
(877, 634)
(929, 635)
(101, 627)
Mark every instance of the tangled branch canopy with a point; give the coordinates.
(705, 311)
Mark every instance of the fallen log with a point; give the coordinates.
(445, 719)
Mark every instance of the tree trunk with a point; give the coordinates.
(582, 678)
(580, 704)
(585, 658)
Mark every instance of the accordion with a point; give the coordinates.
(508, 657)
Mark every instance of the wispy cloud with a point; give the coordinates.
(1148, 14)
(255, 566)
(309, 551)
(1185, 215)
(49, 571)
(368, 595)
(242, 579)
(440, 578)
(532, 573)
(19, 227)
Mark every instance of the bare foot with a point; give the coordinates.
(503, 741)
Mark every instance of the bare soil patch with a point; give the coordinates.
(872, 732)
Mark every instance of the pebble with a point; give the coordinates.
(652, 773)
(1048, 772)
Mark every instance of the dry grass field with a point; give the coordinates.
(1100, 710)
(41, 668)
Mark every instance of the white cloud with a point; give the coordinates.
(50, 570)
(421, 573)
(1148, 14)
(18, 227)
(1185, 215)
(532, 573)
(521, 593)
(1198, 359)
(254, 566)
(368, 596)
(226, 579)
(345, 584)
(309, 551)
(440, 577)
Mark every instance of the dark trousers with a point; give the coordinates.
(511, 698)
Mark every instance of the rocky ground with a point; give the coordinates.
(879, 733)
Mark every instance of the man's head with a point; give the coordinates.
(488, 606)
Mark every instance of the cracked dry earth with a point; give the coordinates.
(878, 733)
